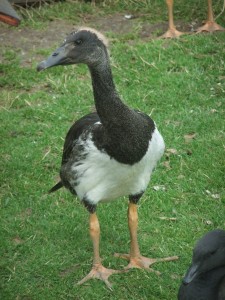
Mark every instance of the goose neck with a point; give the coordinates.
(107, 100)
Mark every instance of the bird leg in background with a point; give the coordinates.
(97, 271)
(210, 25)
(172, 32)
(135, 258)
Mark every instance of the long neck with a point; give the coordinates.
(122, 126)
(108, 104)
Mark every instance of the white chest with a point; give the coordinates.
(101, 178)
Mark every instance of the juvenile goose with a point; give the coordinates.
(109, 153)
(205, 279)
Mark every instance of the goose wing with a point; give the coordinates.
(83, 124)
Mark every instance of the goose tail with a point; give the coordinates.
(56, 187)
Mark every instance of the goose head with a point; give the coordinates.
(84, 45)
(208, 254)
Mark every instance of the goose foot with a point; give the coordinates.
(210, 26)
(102, 273)
(142, 262)
(171, 33)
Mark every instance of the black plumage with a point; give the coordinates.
(205, 279)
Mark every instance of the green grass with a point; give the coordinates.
(151, 10)
(45, 246)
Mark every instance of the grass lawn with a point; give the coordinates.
(45, 247)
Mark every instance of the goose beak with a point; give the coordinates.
(59, 57)
(192, 272)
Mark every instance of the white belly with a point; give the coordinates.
(102, 178)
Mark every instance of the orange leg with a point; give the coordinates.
(172, 32)
(97, 271)
(135, 258)
(210, 25)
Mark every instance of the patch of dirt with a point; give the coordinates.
(26, 41)
(116, 23)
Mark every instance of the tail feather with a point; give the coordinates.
(56, 187)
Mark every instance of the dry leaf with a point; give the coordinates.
(166, 164)
(175, 276)
(47, 151)
(171, 151)
(214, 196)
(17, 240)
(175, 123)
(189, 137)
(168, 219)
(208, 222)
(159, 188)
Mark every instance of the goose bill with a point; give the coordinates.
(59, 57)
(192, 272)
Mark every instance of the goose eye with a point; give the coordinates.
(213, 252)
(78, 42)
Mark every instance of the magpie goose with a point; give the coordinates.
(108, 153)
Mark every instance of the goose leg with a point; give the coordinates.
(210, 25)
(97, 271)
(136, 260)
(172, 32)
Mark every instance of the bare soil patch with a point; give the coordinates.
(26, 41)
